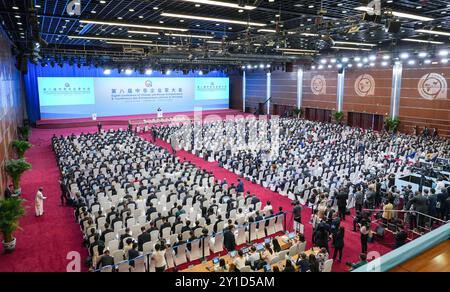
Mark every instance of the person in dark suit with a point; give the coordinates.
(219, 219)
(178, 243)
(165, 224)
(106, 231)
(342, 203)
(229, 241)
(187, 227)
(338, 243)
(105, 260)
(127, 234)
(133, 253)
(143, 238)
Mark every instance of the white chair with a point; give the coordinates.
(113, 245)
(275, 260)
(240, 237)
(282, 255)
(118, 256)
(253, 233)
(271, 227)
(139, 265)
(148, 247)
(195, 252)
(218, 243)
(169, 258)
(293, 251)
(246, 269)
(301, 246)
(327, 266)
(123, 267)
(107, 269)
(180, 258)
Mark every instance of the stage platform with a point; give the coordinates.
(121, 120)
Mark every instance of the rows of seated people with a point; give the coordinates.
(130, 195)
(314, 158)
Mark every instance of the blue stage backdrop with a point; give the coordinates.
(72, 92)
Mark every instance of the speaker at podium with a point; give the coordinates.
(159, 113)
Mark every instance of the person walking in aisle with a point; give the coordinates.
(338, 243)
(39, 202)
(364, 230)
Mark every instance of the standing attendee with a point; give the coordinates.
(9, 192)
(364, 231)
(297, 211)
(240, 187)
(39, 202)
(99, 127)
(229, 240)
(64, 192)
(338, 243)
(342, 198)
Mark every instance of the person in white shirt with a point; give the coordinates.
(39, 202)
(253, 256)
(268, 207)
(239, 261)
(159, 258)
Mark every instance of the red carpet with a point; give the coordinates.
(44, 243)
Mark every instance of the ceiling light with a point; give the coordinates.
(137, 44)
(443, 53)
(423, 55)
(444, 33)
(309, 34)
(360, 65)
(357, 59)
(144, 32)
(411, 62)
(267, 30)
(428, 61)
(107, 71)
(345, 59)
(384, 63)
(132, 25)
(220, 3)
(404, 55)
(128, 71)
(355, 44)
(423, 41)
(397, 14)
(386, 57)
(350, 48)
(372, 58)
(190, 36)
(444, 61)
(296, 50)
(149, 72)
(203, 18)
(108, 39)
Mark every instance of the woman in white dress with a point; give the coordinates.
(39, 202)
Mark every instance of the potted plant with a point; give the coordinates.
(338, 117)
(392, 124)
(298, 112)
(24, 132)
(11, 210)
(15, 169)
(21, 146)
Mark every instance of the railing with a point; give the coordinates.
(248, 241)
(408, 251)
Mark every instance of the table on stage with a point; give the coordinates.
(208, 267)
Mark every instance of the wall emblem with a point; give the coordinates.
(365, 85)
(433, 86)
(319, 85)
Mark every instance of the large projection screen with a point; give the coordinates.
(80, 97)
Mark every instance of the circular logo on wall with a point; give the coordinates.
(365, 85)
(67, 85)
(318, 85)
(433, 86)
(148, 83)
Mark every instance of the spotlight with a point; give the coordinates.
(422, 55)
(404, 55)
(313, 67)
(168, 72)
(249, 66)
(107, 71)
(427, 61)
(443, 53)
(386, 57)
(357, 59)
(333, 61)
(372, 58)
(323, 61)
(411, 62)
(350, 65)
(128, 71)
(320, 67)
(345, 60)
(384, 63)
(149, 72)
(444, 61)
(261, 66)
(200, 73)
(360, 65)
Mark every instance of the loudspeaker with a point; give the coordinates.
(394, 26)
(289, 67)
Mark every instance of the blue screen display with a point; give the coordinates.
(119, 96)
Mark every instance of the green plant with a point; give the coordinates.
(11, 210)
(15, 169)
(24, 132)
(298, 111)
(392, 123)
(21, 146)
(338, 116)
